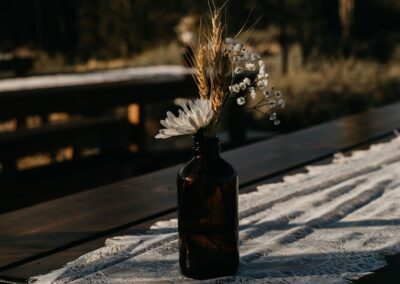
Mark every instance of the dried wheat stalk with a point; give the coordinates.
(201, 71)
(217, 61)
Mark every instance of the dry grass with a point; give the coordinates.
(321, 90)
(332, 88)
(165, 54)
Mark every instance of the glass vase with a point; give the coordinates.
(207, 213)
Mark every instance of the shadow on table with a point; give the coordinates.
(258, 265)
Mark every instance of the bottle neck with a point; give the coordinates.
(206, 146)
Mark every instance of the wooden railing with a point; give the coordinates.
(96, 105)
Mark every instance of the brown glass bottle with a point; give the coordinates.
(208, 213)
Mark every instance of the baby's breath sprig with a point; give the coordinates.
(270, 101)
(244, 61)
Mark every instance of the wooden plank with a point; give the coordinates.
(84, 133)
(42, 83)
(88, 132)
(78, 100)
(79, 217)
(28, 187)
(302, 147)
(97, 90)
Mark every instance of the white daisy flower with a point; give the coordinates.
(195, 115)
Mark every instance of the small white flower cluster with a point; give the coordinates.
(275, 99)
(241, 86)
(243, 61)
(262, 76)
(271, 100)
(240, 56)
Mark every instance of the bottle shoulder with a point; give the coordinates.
(215, 167)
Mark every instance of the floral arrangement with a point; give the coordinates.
(225, 73)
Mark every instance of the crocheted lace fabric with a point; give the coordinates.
(333, 224)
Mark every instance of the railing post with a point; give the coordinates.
(142, 128)
(21, 122)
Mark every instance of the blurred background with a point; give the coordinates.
(83, 84)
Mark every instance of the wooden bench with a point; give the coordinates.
(96, 121)
(93, 97)
(43, 237)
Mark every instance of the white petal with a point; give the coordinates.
(171, 118)
(161, 136)
(199, 117)
(192, 122)
(191, 105)
(169, 132)
(183, 105)
(164, 123)
(185, 130)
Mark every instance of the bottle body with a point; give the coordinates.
(208, 216)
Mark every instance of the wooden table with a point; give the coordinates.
(38, 239)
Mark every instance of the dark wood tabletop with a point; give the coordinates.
(43, 237)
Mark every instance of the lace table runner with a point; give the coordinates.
(333, 224)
